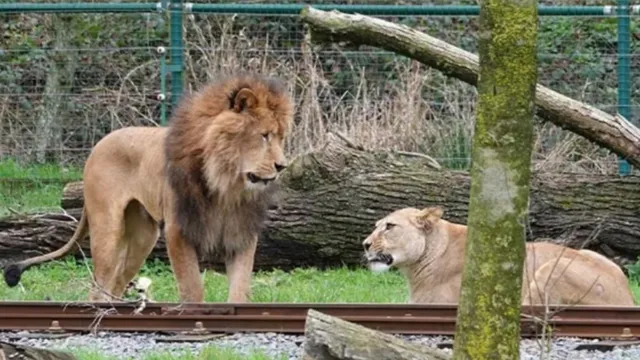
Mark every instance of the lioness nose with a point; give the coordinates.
(280, 167)
(367, 245)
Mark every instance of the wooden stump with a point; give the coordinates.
(331, 338)
(23, 352)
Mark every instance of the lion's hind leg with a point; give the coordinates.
(123, 246)
(141, 234)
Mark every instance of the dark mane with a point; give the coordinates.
(196, 205)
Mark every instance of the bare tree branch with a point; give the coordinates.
(612, 132)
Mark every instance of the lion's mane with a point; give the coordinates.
(192, 142)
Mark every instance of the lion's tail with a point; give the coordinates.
(13, 272)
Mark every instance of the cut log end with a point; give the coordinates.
(331, 338)
(14, 351)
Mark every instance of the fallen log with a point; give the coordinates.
(331, 199)
(612, 132)
(330, 338)
(25, 352)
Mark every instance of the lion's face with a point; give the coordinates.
(400, 238)
(263, 158)
(245, 142)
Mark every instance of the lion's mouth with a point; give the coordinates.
(386, 259)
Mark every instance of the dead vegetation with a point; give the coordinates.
(409, 107)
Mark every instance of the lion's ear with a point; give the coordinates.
(245, 99)
(428, 217)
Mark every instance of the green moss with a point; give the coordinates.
(566, 203)
(489, 310)
(301, 173)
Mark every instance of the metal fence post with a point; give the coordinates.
(176, 33)
(624, 71)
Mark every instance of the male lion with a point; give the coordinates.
(208, 177)
(429, 251)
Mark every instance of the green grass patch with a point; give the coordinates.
(634, 279)
(635, 290)
(208, 352)
(33, 187)
(68, 280)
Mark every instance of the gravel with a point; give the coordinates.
(137, 345)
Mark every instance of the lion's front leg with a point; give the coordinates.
(239, 270)
(184, 261)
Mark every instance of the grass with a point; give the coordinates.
(209, 352)
(32, 187)
(67, 280)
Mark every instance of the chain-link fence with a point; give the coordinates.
(72, 72)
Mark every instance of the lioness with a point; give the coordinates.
(429, 251)
(208, 178)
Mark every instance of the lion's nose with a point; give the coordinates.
(367, 245)
(280, 167)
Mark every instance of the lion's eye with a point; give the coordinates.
(265, 136)
(390, 226)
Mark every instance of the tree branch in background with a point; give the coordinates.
(611, 132)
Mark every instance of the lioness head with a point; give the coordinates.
(400, 238)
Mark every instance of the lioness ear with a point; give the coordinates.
(245, 99)
(428, 217)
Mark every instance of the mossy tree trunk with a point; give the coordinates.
(488, 325)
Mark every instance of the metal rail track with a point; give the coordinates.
(622, 323)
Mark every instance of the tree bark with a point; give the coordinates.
(15, 351)
(331, 338)
(60, 74)
(612, 132)
(332, 198)
(488, 318)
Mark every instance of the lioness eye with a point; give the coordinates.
(390, 226)
(265, 136)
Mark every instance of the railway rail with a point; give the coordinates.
(619, 323)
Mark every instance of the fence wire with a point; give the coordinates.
(66, 80)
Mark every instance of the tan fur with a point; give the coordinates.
(430, 252)
(208, 177)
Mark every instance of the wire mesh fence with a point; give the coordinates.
(67, 79)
